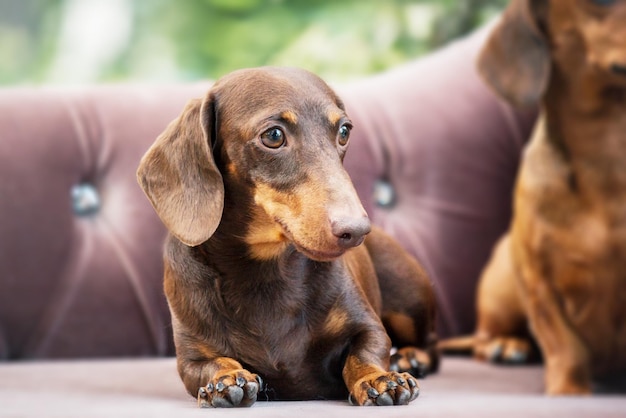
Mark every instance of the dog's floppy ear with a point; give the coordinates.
(179, 175)
(515, 61)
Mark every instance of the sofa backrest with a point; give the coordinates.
(433, 156)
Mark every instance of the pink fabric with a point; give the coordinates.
(87, 286)
(81, 286)
(152, 388)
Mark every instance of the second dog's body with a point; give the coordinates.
(561, 270)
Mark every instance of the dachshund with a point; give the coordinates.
(555, 287)
(270, 291)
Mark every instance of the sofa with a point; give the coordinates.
(84, 325)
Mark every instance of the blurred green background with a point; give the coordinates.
(89, 41)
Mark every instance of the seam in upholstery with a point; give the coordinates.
(93, 165)
(62, 296)
(445, 313)
(381, 130)
(103, 160)
(459, 211)
(388, 157)
(63, 293)
(155, 326)
(78, 116)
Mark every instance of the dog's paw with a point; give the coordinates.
(237, 388)
(411, 360)
(383, 389)
(509, 350)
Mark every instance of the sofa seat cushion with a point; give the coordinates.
(152, 388)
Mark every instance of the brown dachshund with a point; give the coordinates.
(560, 272)
(269, 288)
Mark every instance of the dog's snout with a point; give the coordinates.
(351, 231)
(619, 69)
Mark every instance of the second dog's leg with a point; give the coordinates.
(501, 332)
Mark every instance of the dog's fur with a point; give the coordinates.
(264, 272)
(560, 272)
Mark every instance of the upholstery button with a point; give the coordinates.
(85, 199)
(384, 194)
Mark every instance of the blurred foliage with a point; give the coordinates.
(26, 44)
(190, 39)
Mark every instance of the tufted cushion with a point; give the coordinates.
(433, 156)
(78, 277)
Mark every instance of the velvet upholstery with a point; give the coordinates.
(89, 284)
(77, 285)
(462, 389)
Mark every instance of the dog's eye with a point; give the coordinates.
(344, 134)
(273, 138)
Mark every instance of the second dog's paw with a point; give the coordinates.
(390, 388)
(509, 350)
(411, 360)
(237, 388)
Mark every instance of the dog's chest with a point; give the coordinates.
(278, 329)
(573, 226)
(284, 347)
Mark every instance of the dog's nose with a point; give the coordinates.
(351, 231)
(619, 69)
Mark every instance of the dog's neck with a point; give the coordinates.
(585, 120)
(284, 278)
(587, 93)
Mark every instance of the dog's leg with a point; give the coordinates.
(216, 381)
(408, 310)
(366, 376)
(501, 332)
(565, 355)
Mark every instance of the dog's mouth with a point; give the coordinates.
(318, 255)
(314, 254)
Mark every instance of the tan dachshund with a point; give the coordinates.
(560, 272)
(264, 272)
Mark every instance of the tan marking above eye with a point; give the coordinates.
(335, 116)
(289, 116)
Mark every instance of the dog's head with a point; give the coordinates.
(584, 41)
(274, 138)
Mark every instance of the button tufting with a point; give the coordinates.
(85, 199)
(384, 194)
